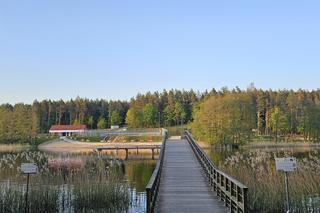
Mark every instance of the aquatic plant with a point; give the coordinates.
(90, 183)
(41, 198)
(108, 196)
(266, 185)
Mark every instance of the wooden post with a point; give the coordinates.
(27, 191)
(287, 191)
(149, 200)
(137, 150)
(245, 200)
(152, 154)
(127, 154)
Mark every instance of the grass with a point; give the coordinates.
(88, 138)
(281, 139)
(14, 147)
(41, 139)
(33, 142)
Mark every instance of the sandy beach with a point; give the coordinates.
(76, 146)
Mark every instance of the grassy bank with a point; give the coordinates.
(280, 139)
(87, 138)
(41, 139)
(32, 142)
(14, 147)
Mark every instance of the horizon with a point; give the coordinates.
(115, 50)
(160, 91)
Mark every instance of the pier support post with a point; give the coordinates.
(149, 201)
(127, 154)
(152, 154)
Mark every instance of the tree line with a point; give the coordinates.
(23, 122)
(218, 116)
(235, 116)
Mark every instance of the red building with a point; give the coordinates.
(67, 130)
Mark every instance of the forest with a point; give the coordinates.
(235, 116)
(216, 116)
(23, 122)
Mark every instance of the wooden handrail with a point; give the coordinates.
(154, 182)
(230, 190)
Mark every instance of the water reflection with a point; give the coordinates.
(137, 170)
(138, 173)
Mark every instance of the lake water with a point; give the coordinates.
(254, 167)
(136, 171)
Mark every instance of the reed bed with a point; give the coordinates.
(106, 196)
(266, 185)
(41, 199)
(69, 183)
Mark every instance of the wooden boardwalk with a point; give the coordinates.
(183, 187)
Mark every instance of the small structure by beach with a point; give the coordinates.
(114, 127)
(67, 130)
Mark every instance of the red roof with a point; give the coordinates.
(67, 127)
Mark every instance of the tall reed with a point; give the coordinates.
(69, 183)
(266, 185)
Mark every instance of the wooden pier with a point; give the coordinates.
(185, 180)
(126, 148)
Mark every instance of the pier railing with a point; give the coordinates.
(228, 189)
(152, 187)
(123, 132)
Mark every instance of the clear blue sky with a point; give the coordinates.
(115, 49)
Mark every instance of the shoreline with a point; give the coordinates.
(258, 145)
(282, 145)
(62, 146)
